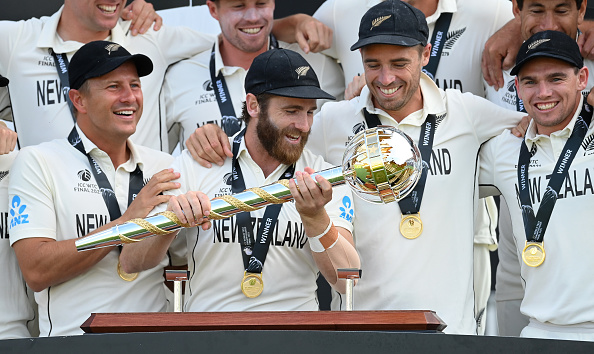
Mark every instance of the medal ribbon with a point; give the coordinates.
(411, 204)
(438, 39)
(61, 62)
(229, 121)
(254, 263)
(535, 226)
(107, 192)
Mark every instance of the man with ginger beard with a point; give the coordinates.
(313, 233)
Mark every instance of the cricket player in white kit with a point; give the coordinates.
(208, 88)
(546, 181)
(67, 188)
(313, 233)
(400, 95)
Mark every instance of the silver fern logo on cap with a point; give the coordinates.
(537, 43)
(302, 71)
(378, 21)
(112, 48)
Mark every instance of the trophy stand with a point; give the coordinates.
(350, 274)
(178, 277)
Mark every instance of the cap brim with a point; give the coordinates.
(144, 66)
(302, 92)
(386, 39)
(514, 71)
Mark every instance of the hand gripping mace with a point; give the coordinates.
(381, 165)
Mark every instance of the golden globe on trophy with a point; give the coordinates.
(381, 165)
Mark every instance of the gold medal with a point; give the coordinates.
(533, 254)
(411, 226)
(126, 276)
(252, 284)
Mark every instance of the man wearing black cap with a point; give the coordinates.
(431, 267)
(68, 188)
(269, 264)
(548, 172)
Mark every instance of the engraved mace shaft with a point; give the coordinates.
(381, 165)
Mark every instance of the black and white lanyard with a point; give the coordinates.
(411, 204)
(535, 226)
(438, 39)
(230, 123)
(254, 251)
(107, 192)
(61, 62)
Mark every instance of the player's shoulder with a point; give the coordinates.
(45, 153)
(27, 28)
(504, 141)
(153, 156)
(484, 9)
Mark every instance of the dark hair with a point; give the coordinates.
(521, 3)
(262, 99)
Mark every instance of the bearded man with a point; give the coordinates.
(296, 239)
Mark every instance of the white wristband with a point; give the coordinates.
(314, 242)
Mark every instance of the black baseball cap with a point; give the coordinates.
(551, 44)
(283, 72)
(98, 58)
(393, 22)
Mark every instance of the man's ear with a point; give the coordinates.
(77, 100)
(583, 78)
(517, 83)
(251, 103)
(213, 9)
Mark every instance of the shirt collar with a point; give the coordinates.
(129, 166)
(219, 65)
(532, 137)
(443, 6)
(49, 37)
(433, 103)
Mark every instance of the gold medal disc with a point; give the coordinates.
(126, 276)
(533, 254)
(252, 284)
(411, 226)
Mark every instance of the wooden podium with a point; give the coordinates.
(425, 321)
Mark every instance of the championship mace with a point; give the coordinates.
(381, 165)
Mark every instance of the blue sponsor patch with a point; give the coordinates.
(17, 212)
(346, 211)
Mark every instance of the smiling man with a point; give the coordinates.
(208, 88)
(312, 233)
(434, 269)
(34, 55)
(546, 181)
(68, 188)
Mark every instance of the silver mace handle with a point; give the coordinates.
(222, 207)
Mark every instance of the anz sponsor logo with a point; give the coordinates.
(346, 210)
(18, 212)
(293, 236)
